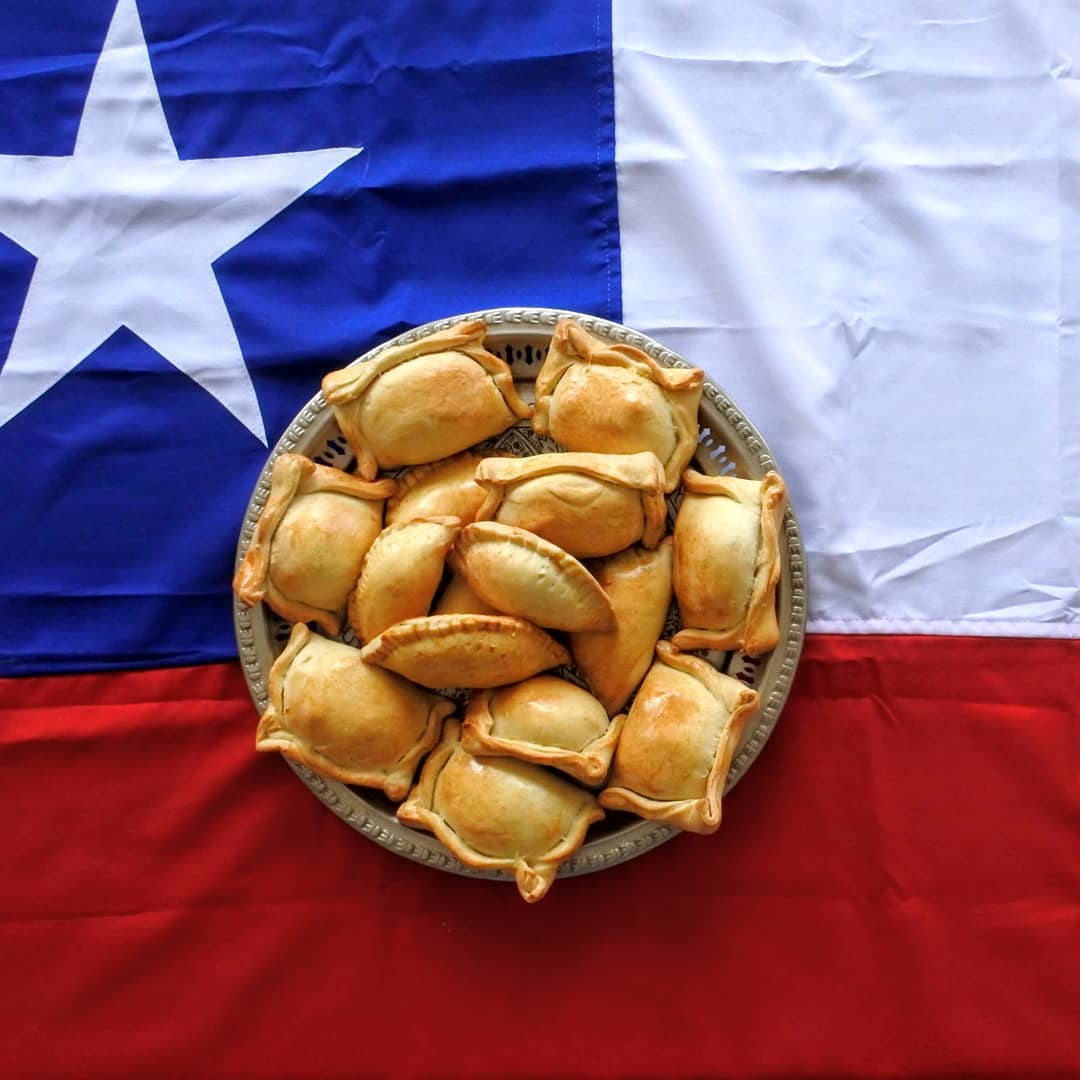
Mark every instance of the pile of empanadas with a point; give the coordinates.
(540, 585)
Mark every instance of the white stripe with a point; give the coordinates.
(965, 627)
(864, 224)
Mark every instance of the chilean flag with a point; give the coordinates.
(862, 222)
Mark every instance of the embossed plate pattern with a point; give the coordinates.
(728, 443)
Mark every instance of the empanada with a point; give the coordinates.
(545, 720)
(727, 562)
(440, 489)
(401, 574)
(615, 399)
(458, 598)
(348, 719)
(587, 504)
(500, 814)
(638, 584)
(678, 741)
(519, 573)
(310, 541)
(412, 404)
(465, 650)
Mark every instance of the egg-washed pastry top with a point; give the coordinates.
(465, 650)
(677, 742)
(401, 574)
(588, 504)
(499, 813)
(637, 582)
(727, 562)
(416, 403)
(519, 573)
(592, 394)
(309, 543)
(348, 719)
(545, 720)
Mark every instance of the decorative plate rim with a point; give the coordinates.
(253, 641)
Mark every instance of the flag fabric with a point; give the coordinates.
(862, 223)
(440, 181)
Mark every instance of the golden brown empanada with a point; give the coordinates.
(638, 584)
(310, 541)
(458, 598)
(615, 399)
(445, 488)
(401, 574)
(465, 650)
(545, 720)
(500, 814)
(348, 719)
(587, 504)
(727, 562)
(519, 573)
(678, 741)
(417, 403)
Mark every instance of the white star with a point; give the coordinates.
(125, 234)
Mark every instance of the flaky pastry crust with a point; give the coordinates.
(416, 403)
(345, 718)
(521, 574)
(310, 541)
(401, 574)
(545, 720)
(727, 562)
(458, 598)
(500, 814)
(678, 741)
(465, 650)
(446, 488)
(616, 399)
(588, 504)
(638, 584)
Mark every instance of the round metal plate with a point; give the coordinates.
(728, 443)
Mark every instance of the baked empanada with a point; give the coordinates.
(401, 574)
(465, 650)
(677, 742)
(638, 584)
(587, 504)
(519, 573)
(545, 720)
(348, 719)
(615, 399)
(412, 404)
(458, 598)
(440, 489)
(310, 541)
(500, 814)
(727, 562)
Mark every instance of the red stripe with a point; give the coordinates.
(893, 892)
